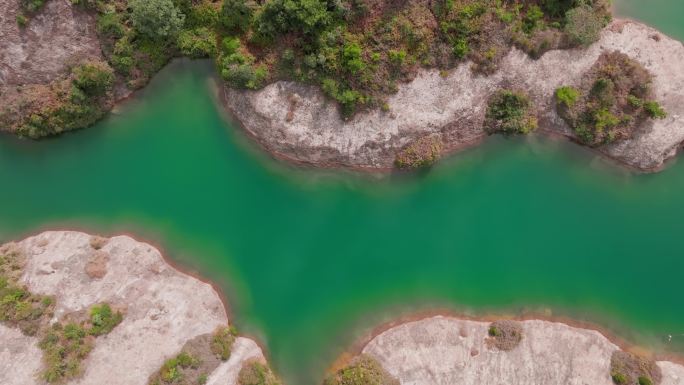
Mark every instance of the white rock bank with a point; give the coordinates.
(450, 351)
(163, 308)
(299, 123)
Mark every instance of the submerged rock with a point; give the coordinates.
(312, 130)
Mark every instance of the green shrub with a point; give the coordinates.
(509, 112)
(19, 307)
(230, 45)
(122, 56)
(532, 19)
(103, 320)
(222, 341)
(654, 110)
(93, 78)
(397, 57)
(64, 347)
(363, 370)
(309, 17)
(156, 19)
(635, 101)
(567, 96)
(583, 25)
(31, 5)
(21, 20)
(619, 378)
(197, 43)
(237, 14)
(256, 373)
(171, 371)
(202, 15)
(460, 48)
(244, 75)
(351, 53)
(645, 381)
(109, 24)
(423, 152)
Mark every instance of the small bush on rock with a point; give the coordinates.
(505, 335)
(583, 25)
(424, 152)
(255, 373)
(93, 78)
(103, 319)
(510, 112)
(363, 370)
(197, 43)
(222, 342)
(614, 98)
(630, 369)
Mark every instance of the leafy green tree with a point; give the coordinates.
(309, 17)
(156, 19)
(237, 14)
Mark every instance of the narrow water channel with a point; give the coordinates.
(308, 259)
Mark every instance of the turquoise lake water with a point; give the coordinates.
(310, 259)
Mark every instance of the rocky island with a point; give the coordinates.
(173, 328)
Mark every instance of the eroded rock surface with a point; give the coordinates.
(163, 307)
(59, 35)
(298, 122)
(450, 351)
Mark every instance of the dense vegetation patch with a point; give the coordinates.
(19, 307)
(363, 370)
(357, 51)
(505, 334)
(66, 344)
(423, 152)
(198, 358)
(76, 101)
(612, 101)
(630, 369)
(222, 342)
(254, 372)
(510, 112)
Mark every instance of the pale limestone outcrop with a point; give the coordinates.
(59, 35)
(19, 356)
(299, 123)
(450, 351)
(163, 308)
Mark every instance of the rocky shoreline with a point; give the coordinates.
(449, 350)
(298, 123)
(163, 309)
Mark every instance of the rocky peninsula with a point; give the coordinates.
(163, 310)
(43, 51)
(299, 123)
(444, 350)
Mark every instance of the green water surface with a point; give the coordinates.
(310, 259)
